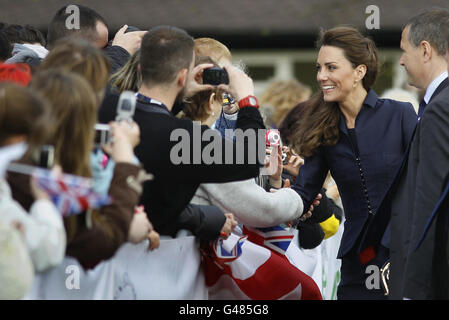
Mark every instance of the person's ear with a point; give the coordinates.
(426, 50)
(360, 71)
(215, 104)
(182, 77)
(211, 101)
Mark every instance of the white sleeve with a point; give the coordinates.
(16, 267)
(252, 205)
(45, 235)
(44, 231)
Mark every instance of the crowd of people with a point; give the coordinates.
(338, 168)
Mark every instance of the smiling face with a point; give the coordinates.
(335, 74)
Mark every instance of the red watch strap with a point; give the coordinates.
(249, 101)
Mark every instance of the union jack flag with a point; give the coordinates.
(275, 238)
(70, 194)
(227, 250)
(257, 268)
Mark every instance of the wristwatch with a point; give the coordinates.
(249, 101)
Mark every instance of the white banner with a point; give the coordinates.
(172, 271)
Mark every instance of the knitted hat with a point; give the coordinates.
(18, 73)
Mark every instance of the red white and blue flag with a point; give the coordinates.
(70, 194)
(227, 250)
(260, 272)
(275, 238)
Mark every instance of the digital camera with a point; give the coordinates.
(45, 156)
(102, 134)
(273, 139)
(215, 76)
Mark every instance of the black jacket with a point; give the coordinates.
(440, 262)
(117, 56)
(205, 222)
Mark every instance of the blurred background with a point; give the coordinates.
(273, 38)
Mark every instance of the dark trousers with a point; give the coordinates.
(355, 275)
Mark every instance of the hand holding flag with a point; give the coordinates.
(70, 194)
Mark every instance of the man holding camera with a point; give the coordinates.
(168, 76)
(93, 28)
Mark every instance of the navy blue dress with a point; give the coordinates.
(363, 164)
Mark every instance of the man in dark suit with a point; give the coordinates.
(440, 263)
(401, 218)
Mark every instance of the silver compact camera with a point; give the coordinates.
(102, 134)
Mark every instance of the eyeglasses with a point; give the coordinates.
(227, 99)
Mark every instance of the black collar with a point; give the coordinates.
(148, 104)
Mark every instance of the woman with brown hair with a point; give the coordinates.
(360, 138)
(81, 57)
(93, 235)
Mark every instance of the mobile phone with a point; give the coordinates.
(215, 76)
(46, 157)
(102, 134)
(126, 106)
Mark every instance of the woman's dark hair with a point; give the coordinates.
(319, 125)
